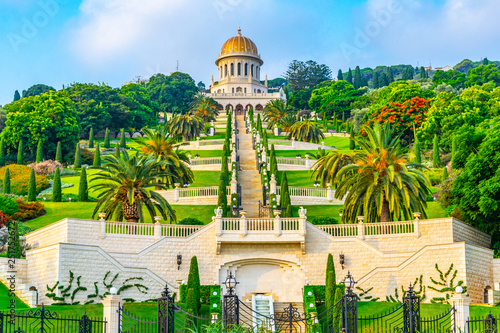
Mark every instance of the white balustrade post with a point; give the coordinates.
(293, 142)
(233, 155)
(308, 162)
(176, 191)
(218, 221)
(234, 186)
(461, 303)
(264, 155)
(102, 223)
(272, 182)
(197, 144)
(276, 130)
(302, 221)
(329, 192)
(111, 306)
(322, 144)
(361, 227)
(157, 228)
(243, 223)
(416, 224)
(277, 223)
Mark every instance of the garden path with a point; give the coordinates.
(249, 177)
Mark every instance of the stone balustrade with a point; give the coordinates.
(311, 195)
(207, 195)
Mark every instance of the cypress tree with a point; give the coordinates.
(14, 247)
(337, 312)
(453, 152)
(32, 186)
(347, 127)
(349, 76)
(376, 83)
(436, 159)
(416, 151)
(20, 152)
(352, 144)
(106, 139)
(343, 117)
(422, 72)
(39, 152)
(2, 153)
(78, 157)
(59, 153)
(445, 174)
(17, 96)
(83, 194)
(357, 78)
(56, 187)
(330, 282)
(6, 182)
(194, 281)
(340, 76)
(390, 75)
(274, 164)
(285, 201)
(191, 302)
(91, 138)
(117, 151)
(222, 199)
(123, 143)
(97, 156)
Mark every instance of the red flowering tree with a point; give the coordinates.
(402, 116)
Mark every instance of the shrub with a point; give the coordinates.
(191, 221)
(46, 167)
(87, 156)
(28, 210)
(194, 282)
(324, 220)
(8, 205)
(19, 179)
(14, 248)
(434, 175)
(56, 187)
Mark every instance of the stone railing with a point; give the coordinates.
(205, 161)
(207, 142)
(367, 230)
(156, 230)
(193, 195)
(318, 192)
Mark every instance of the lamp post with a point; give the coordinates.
(231, 305)
(350, 306)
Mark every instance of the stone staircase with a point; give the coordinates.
(22, 289)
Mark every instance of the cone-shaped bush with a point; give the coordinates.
(285, 201)
(330, 282)
(347, 127)
(56, 187)
(191, 302)
(106, 139)
(14, 248)
(32, 186)
(337, 312)
(83, 195)
(274, 164)
(117, 151)
(39, 152)
(78, 157)
(2, 153)
(445, 174)
(352, 144)
(123, 142)
(222, 199)
(91, 138)
(6, 182)
(20, 153)
(416, 151)
(436, 159)
(97, 156)
(59, 153)
(194, 282)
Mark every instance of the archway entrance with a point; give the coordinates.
(258, 107)
(239, 110)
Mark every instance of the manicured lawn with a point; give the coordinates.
(205, 178)
(5, 299)
(341, 143)
(298, 178)
(205, 153)
(294, 153)
(57, 211)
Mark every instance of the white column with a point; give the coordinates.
(322, 144)
(176, 192)
(293, 142)
(329, 192)
(233, 156)
(277, 223)
(272, 182)
(264, 155)
(243, 223)
(157, 229)
(276, 131)
(234, 186)
(197, 145)
(302, 221)
(218, 221)
(102, 223)
(308, 162)
(361, 227)
(416, 224)
(461, 303)
(111, 305)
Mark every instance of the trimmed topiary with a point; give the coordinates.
(78, 157)
(14, 248)
(117, 151)
(97, 156)
(20, 153)
(56, 187)
(83, 194)
(194, 281)
(330, 282)
(91, 138)
(106, 139)
(58, 153)
(39, 152)
(32, 187)
(123, 142)
(6, 182)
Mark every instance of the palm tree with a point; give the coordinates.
(379, 183)
(287, 121)
(306, 131)
(205, 107)
(328, 165)
(188, 126)
(274, 111)
(125, 188)
(164, 147)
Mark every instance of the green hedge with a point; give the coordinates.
(205, 293)
(319, 292)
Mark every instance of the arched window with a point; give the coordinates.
(257, 75)
(221, 73)
(258, 91)
(233, 90)
(246, 69)
(232, 69)
(238, 89)
(239, 69)
(245, 90)
(225, 70)
(251, 70)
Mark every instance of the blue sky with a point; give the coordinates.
(58, 42)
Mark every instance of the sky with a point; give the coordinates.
(58, 42)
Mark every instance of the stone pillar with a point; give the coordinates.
(111, 304)
(361, 227)
(218, 221)
(234, 186)
(329, 192)
(233, 156)
(197, 144)
(272, 182)
(293, 142)
(102, 223)
(276, 131)
(416, 224)
(461, 303)
(322, 144)
(243, 223)
(277, 223)
(302, 221)
(157, 228)
(176, 192)
(264, 155)
(308, 162)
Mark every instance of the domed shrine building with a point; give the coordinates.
(239, 84)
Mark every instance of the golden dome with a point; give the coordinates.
(238, 44)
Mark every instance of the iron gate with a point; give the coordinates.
(444, 323)
(483, 325)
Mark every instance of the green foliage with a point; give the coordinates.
(123, 142)
(172, 93)
(8, 205)
(187, 126)
(6, 182)
(32, 186)
(14, 245)
(306, 131)
(2, 153)
(39, 152)
(83, 194)
(91, 138)
(191, 305)
(306, 74)
(193, 283)
(483, 74)
(445, 284)
(416, 151)
(56, 187)
(20, 152)
(190, 221)
(78, 157)
(97, 156)
(37, 89)
(454, 78)
(352, 143)
(18, 180)
(58, 157)
(324, 220)
(436, 158)
(117, 151)
(107, 144)
(445, 173)
(334, 97)
(330, 282)
(285, 201)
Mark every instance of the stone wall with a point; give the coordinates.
(465, 233)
